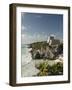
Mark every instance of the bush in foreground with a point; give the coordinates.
(46, 69)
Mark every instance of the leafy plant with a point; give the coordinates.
(46, 69)
(56, 69)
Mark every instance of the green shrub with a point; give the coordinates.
(56, 69)
(45, 69)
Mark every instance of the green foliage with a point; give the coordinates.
(38, 45)
(45, 69)
(56, 69)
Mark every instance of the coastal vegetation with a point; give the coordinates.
(47, 70)
(42, 50)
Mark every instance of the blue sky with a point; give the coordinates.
(37, 27)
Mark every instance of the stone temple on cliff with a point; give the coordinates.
(52, 41)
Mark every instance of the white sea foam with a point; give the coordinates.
(27, 65)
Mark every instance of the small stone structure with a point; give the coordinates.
(52, 41)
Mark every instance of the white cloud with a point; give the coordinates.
(23, 28)
(27, 38)
(43, 32)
